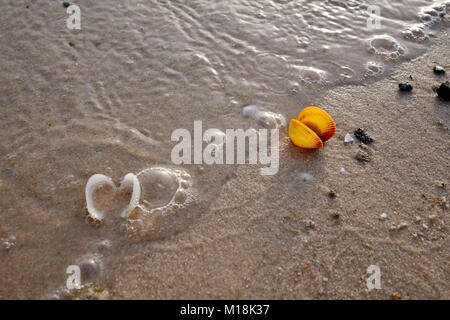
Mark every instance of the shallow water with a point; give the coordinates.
(106, 99)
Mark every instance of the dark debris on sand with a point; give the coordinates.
(443, 91)
(363, 136)
(406, 87)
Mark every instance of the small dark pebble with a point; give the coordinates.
(405, 87)
(439, 70)
(363, 136)
(66, 4)
(443, 91)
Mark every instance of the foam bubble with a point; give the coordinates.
(89, 270)
(374, 69)
(417, 33)
(264, 119)
(310, 76)
(429, 16)
(103, 246)
(180, 197)
(158, 187)
(386, 47)
(8, 243)
(166, 192)
(250, 111)
(435, 13)
(270, 120)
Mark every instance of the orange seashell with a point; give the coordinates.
(319, 121)
(303, 137)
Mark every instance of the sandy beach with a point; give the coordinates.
(108, 103)
(256, 241)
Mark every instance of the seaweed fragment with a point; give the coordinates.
(363, 136)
